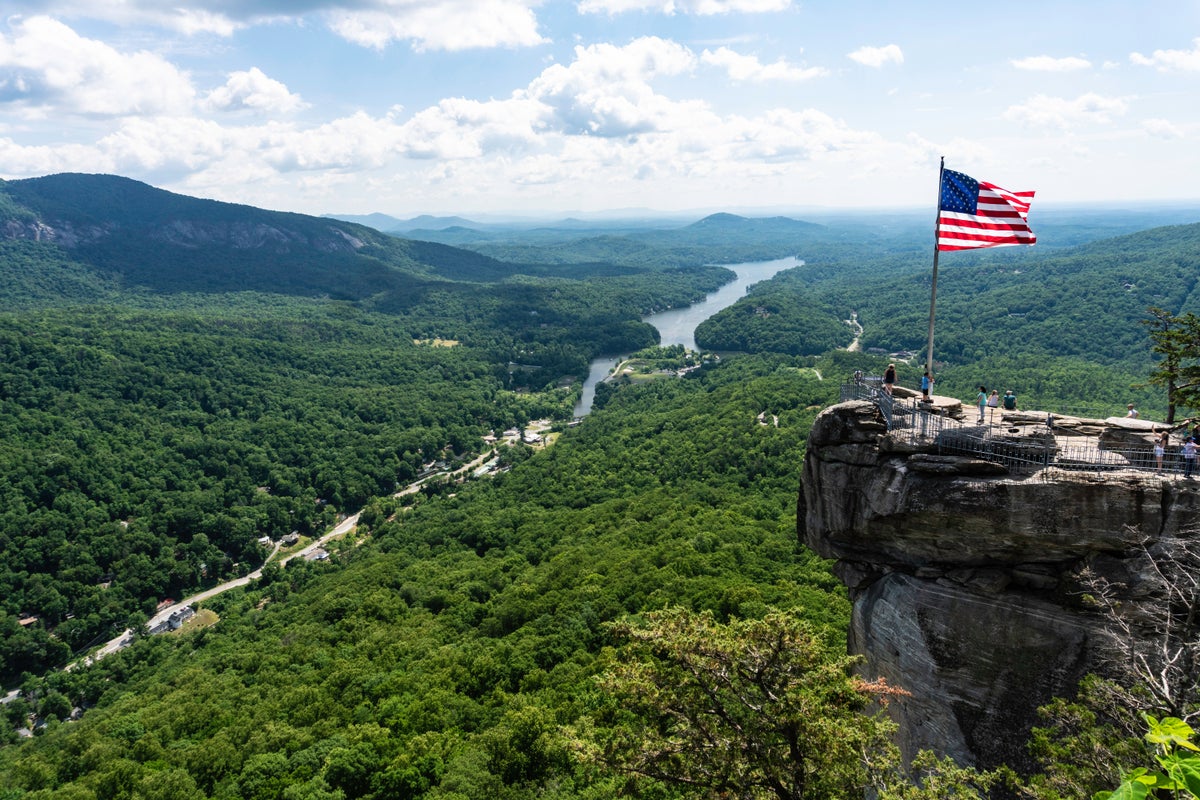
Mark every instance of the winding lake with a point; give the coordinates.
(678, 325)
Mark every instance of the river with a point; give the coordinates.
(678, 325)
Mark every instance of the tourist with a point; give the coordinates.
(1131, 413)
(926, 386)
(1010, 400)
(889, 378)
(993, 402)
(1160, 449)
(1189, 456)
(981, 401)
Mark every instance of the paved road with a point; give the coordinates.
(126, 636)
(341, 529)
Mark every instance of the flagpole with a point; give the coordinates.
(937, 230)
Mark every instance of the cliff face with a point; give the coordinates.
(964, 580)
(190, 234)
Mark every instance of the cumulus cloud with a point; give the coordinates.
(1171, 60)
(1162, 129)
(439, 25)
(1060, 112)
(253, 90)
(202, 16)
(165, 145)
(358, 141)
(790, 134)
(22, 160)
(427, 24)
(877, 56)
(47, 68)
(599, 120)
(1051, 64)
(749, 68)
(696, 7)
(458, 128)
(607, 91)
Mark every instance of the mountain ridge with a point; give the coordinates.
(159, 241)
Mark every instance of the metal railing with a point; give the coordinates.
(1022, 447)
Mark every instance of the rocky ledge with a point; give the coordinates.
(965, 579)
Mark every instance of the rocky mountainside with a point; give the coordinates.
(965, 580)
(142, 237)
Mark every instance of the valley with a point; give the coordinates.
(162, 413)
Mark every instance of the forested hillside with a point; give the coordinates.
(179, 378)
(440, 657)
(1052, 324)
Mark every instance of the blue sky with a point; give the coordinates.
(557, 107)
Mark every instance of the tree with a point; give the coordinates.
(1177, 342)
(1151, 649)
(758, 708)
(1153, 639)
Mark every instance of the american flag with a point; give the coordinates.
(975, 214)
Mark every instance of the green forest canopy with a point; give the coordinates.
(153, 434)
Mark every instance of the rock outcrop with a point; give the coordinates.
(965, 578)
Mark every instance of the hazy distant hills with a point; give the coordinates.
(74, 235)
(80, 237)
(389, 224)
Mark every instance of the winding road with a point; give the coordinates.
(341, 529)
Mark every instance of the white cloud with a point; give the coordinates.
(1060, 112)
(253, 90)
(428, 24)
(1171, 60)
(695, 7)
(47, 68)
(789, 134)
(1051, 64)
(439, 25)
(1162, 129)
(606, 91)
(598, 121)
(749, 68)
(170, 145)
(877, 56)
(359, 141)
(193, 19)
(27, 160)
(458, 128)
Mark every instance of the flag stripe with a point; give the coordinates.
(974, 214)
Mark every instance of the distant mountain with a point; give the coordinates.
(380, 222)
(113, 233)
(389, 224)
(722, 225)
(434, 223)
